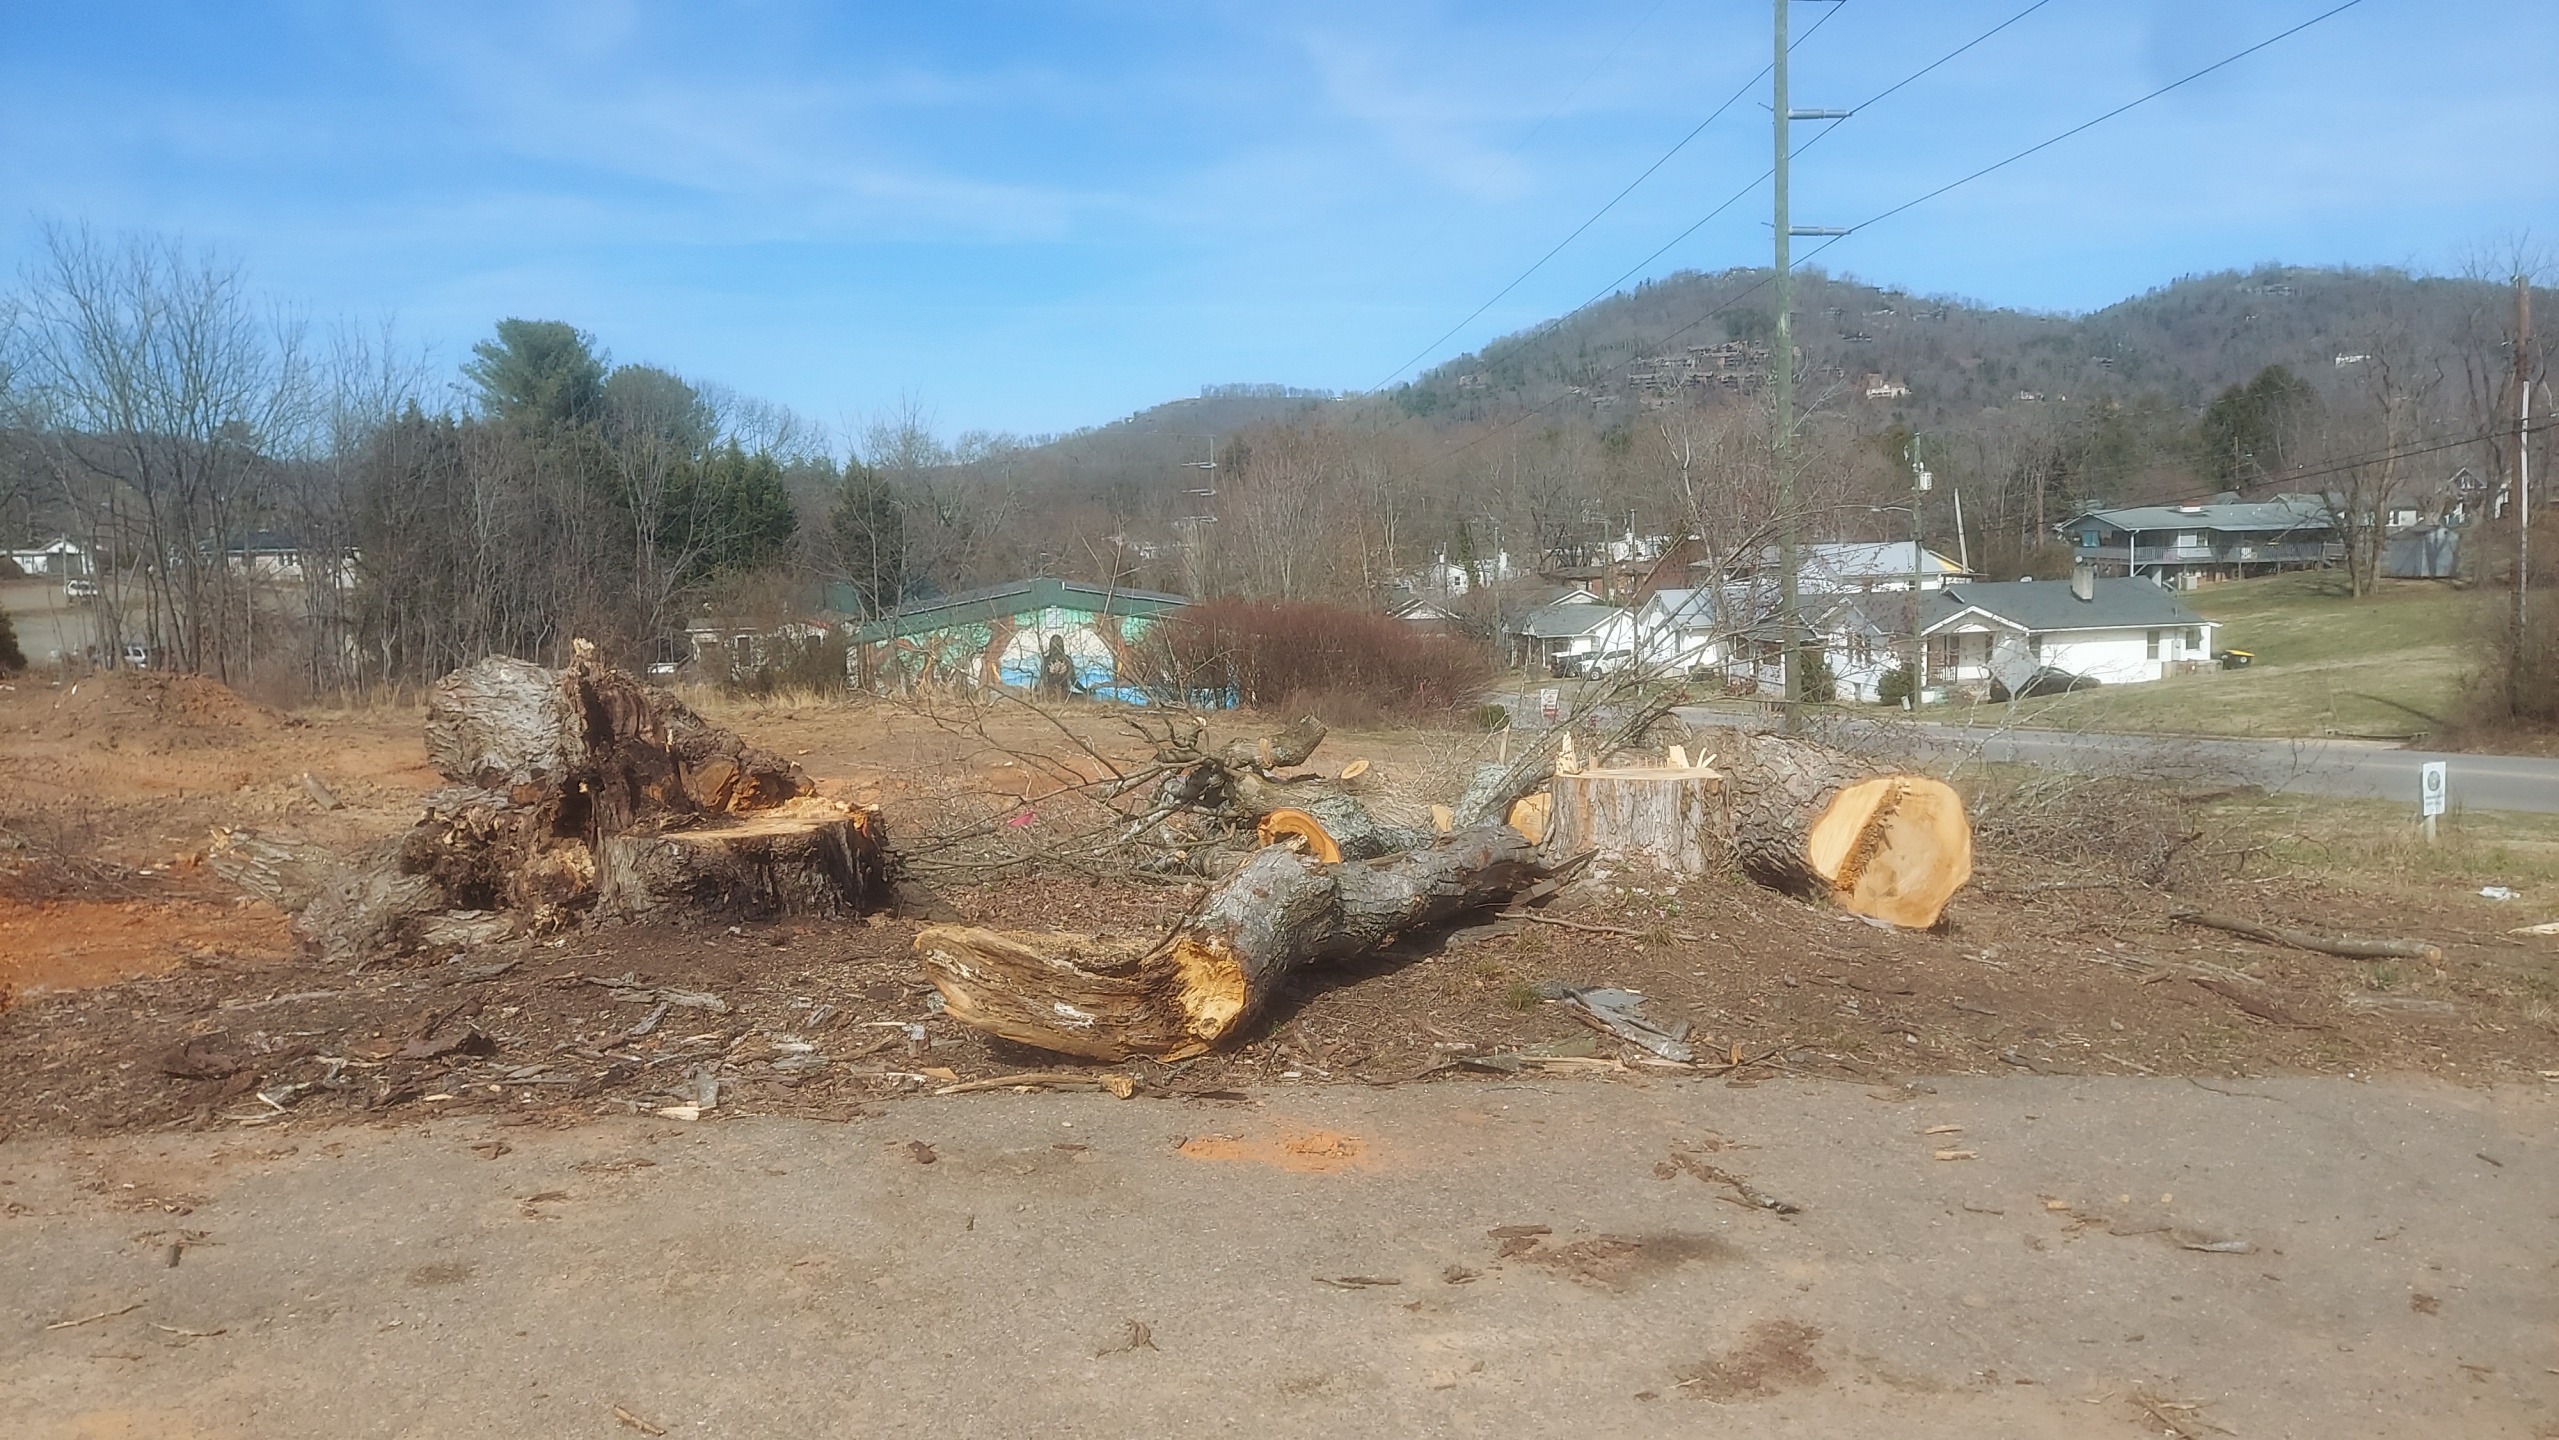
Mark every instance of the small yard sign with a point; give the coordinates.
(2430, 794)
(1550, 703)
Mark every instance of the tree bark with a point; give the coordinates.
(1663, 816)
(1279, 913)
(809, 857)
(1812, 821)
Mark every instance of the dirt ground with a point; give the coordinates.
(147, 995)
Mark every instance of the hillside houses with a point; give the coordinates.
(2186, 545)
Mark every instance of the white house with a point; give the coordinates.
(1841, 567)
(1571, 628)
(57, 559)
(2112, 631)
(1677, 631)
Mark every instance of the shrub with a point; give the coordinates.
(1491, 718)
(12, 659)
(1821, 685)
(1348, 666)
(1894, 687)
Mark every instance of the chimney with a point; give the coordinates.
(2083, 580)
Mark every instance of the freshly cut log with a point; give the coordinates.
(1279, 913)
(1281, 824)
(1813, 821)
(1659, 815)
(1356, 831)
(811, 856)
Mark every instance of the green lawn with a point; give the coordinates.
(2327, 664)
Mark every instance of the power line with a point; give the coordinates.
(1601, 212)
(1908, 204)
(1728, 202)
(2084, 126)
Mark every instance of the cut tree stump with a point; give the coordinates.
(1279, 913)
(810, 856)
(1812, 821)
(1660, 815)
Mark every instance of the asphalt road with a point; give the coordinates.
(2084, 1257)
(2353, 769)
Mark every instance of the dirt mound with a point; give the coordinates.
(126, 700)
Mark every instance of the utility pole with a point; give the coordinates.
(1783, 442)
(1194, 557)
(1789, 610)
(1919, 482)
(2523, 464)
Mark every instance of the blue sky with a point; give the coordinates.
(1036, 218)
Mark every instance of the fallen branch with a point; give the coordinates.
(2348, 947)
(1280, 912)
(1119, 1085)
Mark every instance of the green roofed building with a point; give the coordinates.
(998, 636)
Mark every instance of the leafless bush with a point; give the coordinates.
(53, 855)
(1352, 667)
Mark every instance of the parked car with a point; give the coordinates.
(1608, 662)
(137, 657)
(80, 587)
(2045, 681)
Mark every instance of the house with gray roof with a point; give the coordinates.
(2110, 630)
(2229, 539)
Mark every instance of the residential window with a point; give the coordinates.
(2188, 539)
(2194, 640)
(2035, 647)
(2154, 644)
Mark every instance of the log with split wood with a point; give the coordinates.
(577, 792)
(1795, 816)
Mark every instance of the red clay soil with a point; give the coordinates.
(208, 1016)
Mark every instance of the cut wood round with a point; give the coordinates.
(1533, 817)
(1812, 821)
(809, 857)
(1659, 816)
(1355, 830)
(1280, 824)
(1280, 912)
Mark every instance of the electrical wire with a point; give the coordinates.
(1596, 215)
(2001, 164)
(2087, 125)
(1734, 199)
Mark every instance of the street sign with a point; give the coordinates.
(2431, 789)
(1550, 703)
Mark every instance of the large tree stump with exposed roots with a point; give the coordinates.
(1279, 913)
(580, 792)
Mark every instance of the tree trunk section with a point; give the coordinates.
(809, 857)
(1279, 913)
(1812, 821)
(1663, 817)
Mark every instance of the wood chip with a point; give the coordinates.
(1958, 1154)
(636, 1423)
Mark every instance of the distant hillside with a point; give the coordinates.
(2179, 345)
